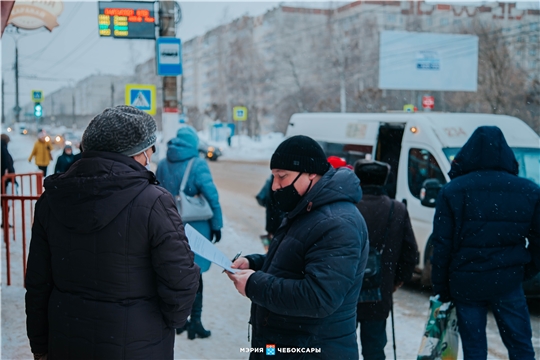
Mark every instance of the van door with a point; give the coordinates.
(388, 150)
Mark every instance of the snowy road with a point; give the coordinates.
(225, 312)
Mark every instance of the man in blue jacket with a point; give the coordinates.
(486, 238)
(305, 290)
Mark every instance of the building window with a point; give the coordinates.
(457, 22)
(422, 166)
(533, 26)
(444, 21)
(519, 52)
(532, 52)
(520, 39)
(533, 64)
(534, 38)
(391, 18)
(429, 21)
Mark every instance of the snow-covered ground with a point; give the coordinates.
(244, 148)
(225, 312)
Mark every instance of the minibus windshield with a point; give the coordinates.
(527, 158)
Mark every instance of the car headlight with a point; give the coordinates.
(47, 138)
(58, 139)
(68, 142)
(25, 132)
(210, 148)
(9, 129)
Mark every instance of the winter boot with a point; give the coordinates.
(195, 327)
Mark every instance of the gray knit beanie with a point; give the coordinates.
(122, 129)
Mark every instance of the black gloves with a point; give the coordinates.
(215, 235)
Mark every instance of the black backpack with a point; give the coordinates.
(371, 285)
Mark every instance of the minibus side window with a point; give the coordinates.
(422, 166)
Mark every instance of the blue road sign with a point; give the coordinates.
(141, 99)
(169, 56)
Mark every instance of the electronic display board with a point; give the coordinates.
(126, 19)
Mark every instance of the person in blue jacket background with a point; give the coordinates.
(170, 172)
(486, 241)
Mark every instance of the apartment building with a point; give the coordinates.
(321, 59)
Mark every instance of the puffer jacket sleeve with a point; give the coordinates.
(443, 235)
(256, 261)
(409, 251)
(334, 258)
(172, 259)
(206, 186)
(533, 267)
(39, 284)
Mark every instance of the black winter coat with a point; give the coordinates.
(399, 253)
(64, 162)
(7, 160)
(110, 272)
(482, 219)
(305, 290)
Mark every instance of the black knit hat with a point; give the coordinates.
(371, 172)
(300, 153)
(122, 129)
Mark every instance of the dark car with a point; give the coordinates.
(209, 152)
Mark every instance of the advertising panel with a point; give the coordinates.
(428, 61)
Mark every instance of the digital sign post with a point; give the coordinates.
(127, 19)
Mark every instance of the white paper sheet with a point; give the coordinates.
(204, 248)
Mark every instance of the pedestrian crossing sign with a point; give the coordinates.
(142, 96)
(239, 113)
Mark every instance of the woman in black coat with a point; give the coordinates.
(110, 272)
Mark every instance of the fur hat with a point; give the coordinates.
(371, 172)
(300, 153)
(122, 129)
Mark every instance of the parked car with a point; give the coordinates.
(209, 152)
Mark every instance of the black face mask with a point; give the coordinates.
(287, 198)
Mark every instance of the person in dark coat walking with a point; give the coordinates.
(170, 171)
(390, 232)
(7, 160)
(7, 166)
(274, 216)
(484, 219)
(65, 160)
(305, 290)
(110, 272)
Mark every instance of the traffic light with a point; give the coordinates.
(38, 110)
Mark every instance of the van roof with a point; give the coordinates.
(452, 129)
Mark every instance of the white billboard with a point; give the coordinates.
(428, 61)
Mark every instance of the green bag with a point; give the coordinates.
(441, 338)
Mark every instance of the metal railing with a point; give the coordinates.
(17, 214)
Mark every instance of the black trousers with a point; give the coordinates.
(44, 169)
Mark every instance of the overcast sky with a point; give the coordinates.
(74, 50)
